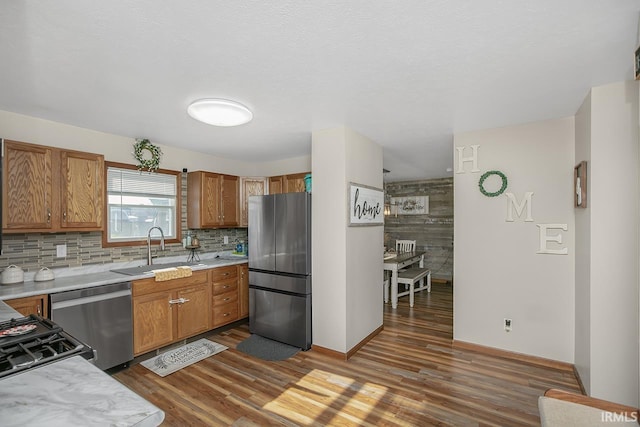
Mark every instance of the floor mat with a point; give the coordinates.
(266, 349)
(178, 358)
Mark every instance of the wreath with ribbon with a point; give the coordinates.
(487, 175)
(144, 145)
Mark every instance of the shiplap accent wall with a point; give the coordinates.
(32, 251)
(432, 232)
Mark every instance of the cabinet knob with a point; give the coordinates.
(64, 216)
(48, 215)
(39, 311)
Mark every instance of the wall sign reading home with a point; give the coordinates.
(365, 205)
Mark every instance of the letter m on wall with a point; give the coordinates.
(512, 203)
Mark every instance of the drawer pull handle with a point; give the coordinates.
(178, 301)
(226, 314)
(227, 299)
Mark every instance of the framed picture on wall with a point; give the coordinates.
(636, 61)
(366, 205)
(580, 185)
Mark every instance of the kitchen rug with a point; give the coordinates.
(176, 359)
(266, 349)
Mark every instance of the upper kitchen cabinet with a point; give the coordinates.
(293, 183)
(212, 200)
(249, 187)
(50, 189)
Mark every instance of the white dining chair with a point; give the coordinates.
(405, 246)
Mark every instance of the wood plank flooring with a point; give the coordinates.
(408, 375)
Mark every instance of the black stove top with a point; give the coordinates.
(45, 342)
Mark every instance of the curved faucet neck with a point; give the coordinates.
(149, 257)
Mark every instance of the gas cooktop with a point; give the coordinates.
(32, 341)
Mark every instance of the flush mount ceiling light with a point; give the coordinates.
(219, 112)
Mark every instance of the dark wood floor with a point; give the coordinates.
(408, 375)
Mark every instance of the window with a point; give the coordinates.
(137, 201)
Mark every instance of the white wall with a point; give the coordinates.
(497, 272)
(610, 365)
(329, 241)
(583, 250)
(347, 261)
(364, 245)
(119, 148)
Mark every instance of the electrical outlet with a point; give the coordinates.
(61, 251)
(226, 240)
(507, 324)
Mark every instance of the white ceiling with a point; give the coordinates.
(406, 74)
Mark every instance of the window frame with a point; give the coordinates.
(105, 235)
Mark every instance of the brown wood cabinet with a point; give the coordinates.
(49, 189)
(212, 200)
(243, 291)
(37, 304)
(292, 183)
(224, 285)
(165, 312)
(249, 187)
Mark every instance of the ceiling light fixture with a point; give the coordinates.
(219, 112)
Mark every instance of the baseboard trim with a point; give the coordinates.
(577, 374)
(498, 352)
(345, 356)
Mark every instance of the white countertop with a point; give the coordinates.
(96, 275)
(72, 392)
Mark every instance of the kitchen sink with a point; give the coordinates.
(147, 269)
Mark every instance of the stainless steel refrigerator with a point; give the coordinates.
(280, 268)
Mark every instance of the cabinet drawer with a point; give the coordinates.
(224, 273)
(226, 313)
(147, 286)
(228, 298)
(225, 286)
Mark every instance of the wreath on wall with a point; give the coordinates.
(141, 149)
(486, 175)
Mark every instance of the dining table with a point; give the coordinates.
(393, 262)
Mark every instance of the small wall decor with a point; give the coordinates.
(147, 155)
(486, 175)
(637, 63)
(366, 205)
(580, 185)
(412, 205)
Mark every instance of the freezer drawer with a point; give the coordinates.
(281, 317)
(280, 282)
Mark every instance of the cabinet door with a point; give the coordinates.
(243, 291)
(81, 190)
(30, 305)
(193, 315)
(249, 187)
(27, 182)
(229, 200)
(153, 321)
(295, 183)
(203, 200)
(276, 185)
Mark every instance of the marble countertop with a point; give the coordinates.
(72, 392)
(96, 275)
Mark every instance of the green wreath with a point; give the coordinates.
(487, 175)
(139, 148)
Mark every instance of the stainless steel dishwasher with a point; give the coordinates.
(101, 317)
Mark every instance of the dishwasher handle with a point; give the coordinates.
(90, 299)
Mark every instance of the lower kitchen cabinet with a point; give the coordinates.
(37, 304)
(165, 312)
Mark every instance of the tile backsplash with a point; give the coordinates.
(32, 251)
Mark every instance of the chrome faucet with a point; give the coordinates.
(149, 258)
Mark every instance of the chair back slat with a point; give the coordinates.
(405, 246)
